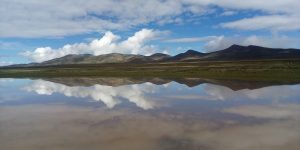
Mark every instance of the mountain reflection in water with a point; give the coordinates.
(148, 113)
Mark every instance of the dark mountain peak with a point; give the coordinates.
(159, 55)
(239, 48)
(75, 55)
(255, 46)
(188, 55)
(234, 52)
(252, 52)
(190, 51)
(235, 46)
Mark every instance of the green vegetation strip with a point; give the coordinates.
(273, 70)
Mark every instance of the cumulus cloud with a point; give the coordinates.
(109, 43)
(110, 96)
(33, 18)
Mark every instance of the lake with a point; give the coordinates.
(148, 114)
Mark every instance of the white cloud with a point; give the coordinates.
(222, 42)
(109, 43)
(191, 39)
(271, 6)
(52, 18)
(228, 13)
(218, 43)
(4, 45)
(274, 93)
(279, 14)
(33, 18)
(110, 96)
(5, 63)
(215, 43)
(273, 41)
(272, 22)
(280, 111)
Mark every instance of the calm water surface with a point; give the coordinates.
(148, 114)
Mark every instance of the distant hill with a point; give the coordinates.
(237, 52)
(190, 82)
(188, 55)
(101, 59)
(152, 58)
(234, 52)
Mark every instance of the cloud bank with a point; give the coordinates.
(110, 96)
(215, 43)
(109, 43)
(139, 44)
(34, 18)
(222, 42)
(5, 63)
(273, 22)
(274, 93)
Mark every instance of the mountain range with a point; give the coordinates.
(234, 52)
(190, 82)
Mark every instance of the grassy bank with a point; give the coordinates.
(266, 70)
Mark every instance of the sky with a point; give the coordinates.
(40, 30)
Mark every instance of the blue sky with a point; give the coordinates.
(35, 31)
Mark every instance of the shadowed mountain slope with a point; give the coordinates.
(236, 52)
(232, 53)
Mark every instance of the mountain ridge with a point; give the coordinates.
(232, 53)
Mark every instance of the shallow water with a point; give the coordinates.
(148, 114)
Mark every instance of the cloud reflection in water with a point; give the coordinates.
(247, 124)
(273, 93)
(110, 96)
(143, 94)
